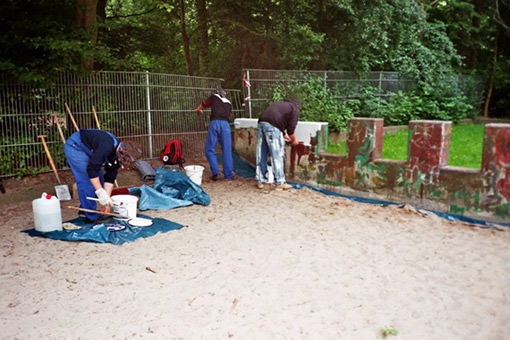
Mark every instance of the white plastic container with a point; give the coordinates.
(47, 213)
(195, 173)
(125, 205)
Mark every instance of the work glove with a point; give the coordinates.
(104, 199)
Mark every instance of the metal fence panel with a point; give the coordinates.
(262, 84)
(147, 108)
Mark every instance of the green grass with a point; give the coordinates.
(465, 148)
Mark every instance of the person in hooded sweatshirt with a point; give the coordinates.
(219, 131)
(276, 123)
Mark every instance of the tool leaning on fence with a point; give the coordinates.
(62, 190)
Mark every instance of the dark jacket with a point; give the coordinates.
(102, 148)
(221, 108)
(282, 115)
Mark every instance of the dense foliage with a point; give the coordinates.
(428, 41)
(336, 104)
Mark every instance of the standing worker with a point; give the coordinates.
(276, 123)
(87, 151)
(219, 130)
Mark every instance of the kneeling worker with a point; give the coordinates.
(86, 152)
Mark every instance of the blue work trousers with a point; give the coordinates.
(78, 160)
(219, 130)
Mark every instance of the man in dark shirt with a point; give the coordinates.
(276, 123)
(87, 151)
(219, 130)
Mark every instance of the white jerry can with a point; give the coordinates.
(47, 214)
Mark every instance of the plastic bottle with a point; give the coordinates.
(47, 214)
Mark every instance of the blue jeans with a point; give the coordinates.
(219, 130)
(270, 142)
(78, 160)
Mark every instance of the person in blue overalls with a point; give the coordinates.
(87, 151)
(219, 130)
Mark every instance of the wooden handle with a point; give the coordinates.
(99, 128)
(59, 129)
(95, 116)
(72, 118)
(49, 157)
(97, 212)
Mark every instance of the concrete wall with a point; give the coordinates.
(341, 136)
(245, 137)
(425, 180)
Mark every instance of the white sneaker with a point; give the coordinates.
(260, 185)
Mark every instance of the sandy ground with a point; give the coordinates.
(259, 264)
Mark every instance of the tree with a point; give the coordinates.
(185, 39)
(39, 37)
(202, 36)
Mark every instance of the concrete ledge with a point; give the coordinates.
(305, 131)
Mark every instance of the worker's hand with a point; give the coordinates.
(106, 209)
(295, 142)
(104, 198)
(286, 137)
(199, 111)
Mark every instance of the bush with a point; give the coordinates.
(336, 105)
(319, 102)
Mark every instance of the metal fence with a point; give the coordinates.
(260, 84)
(147, 108)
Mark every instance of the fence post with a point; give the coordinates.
(379, 96)
(249, 91)
(149, 125)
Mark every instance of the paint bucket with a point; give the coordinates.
(195, 172)
(125, 205)
(47, 214)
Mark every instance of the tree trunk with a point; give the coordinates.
(101, 9)
(323, 26)
(461, 46)
(203, 39)
(86, 12)
(493, 75)
(472, 53)
(268, 32)
(245, 54)
(185, 40)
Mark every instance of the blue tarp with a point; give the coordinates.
(450, 217)
(108, 232)
(248, 171)
(171, 189)
(241, 167)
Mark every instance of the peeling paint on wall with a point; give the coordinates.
(425, 176)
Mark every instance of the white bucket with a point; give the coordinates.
(125, 205)
(47, 214)
(195, 172)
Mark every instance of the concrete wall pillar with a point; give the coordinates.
(428, 150)
(364, 140)
(496, 162)
(364, 145)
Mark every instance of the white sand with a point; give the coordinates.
(260, 265)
